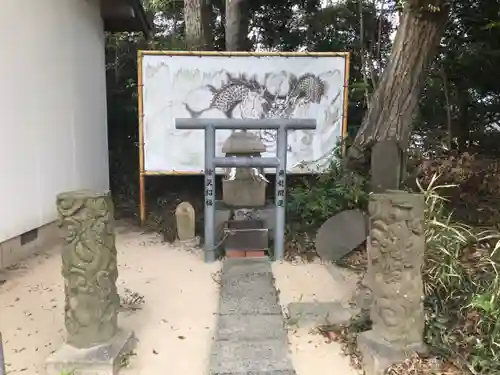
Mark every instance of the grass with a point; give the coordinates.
(462, 287)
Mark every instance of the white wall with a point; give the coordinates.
(53, 134)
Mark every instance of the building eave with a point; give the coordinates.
(125, 15)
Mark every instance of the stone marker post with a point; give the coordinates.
(185, 220)
(89, 267)
(395, 259)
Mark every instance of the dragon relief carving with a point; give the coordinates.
(256, 100)
(89, 267)
(396, 254)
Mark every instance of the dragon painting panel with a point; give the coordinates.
(241, 87)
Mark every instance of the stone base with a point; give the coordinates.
(99, 360)
(192, 242)
(379, 355)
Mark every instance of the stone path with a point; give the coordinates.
(250, 337)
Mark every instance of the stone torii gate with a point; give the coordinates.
(279, 162)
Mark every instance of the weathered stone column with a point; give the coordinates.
(89, 268)
(395, 259)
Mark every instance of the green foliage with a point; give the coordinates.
(462, 287)
(314, 200)
(462, 92)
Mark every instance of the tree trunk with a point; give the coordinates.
(237, 24)
(394, 103)
(197, 14)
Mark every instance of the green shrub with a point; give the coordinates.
(462, 287)
(315, 199)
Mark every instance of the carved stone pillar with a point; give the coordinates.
(89, 268)
(395, 259)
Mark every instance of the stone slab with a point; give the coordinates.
(260, 357)
(341, 234)
(250, 327)
(249, 302)
(246, 266)
(245, 292)
(248, 280)
(305, 314)
(100, 360)
(378, 356)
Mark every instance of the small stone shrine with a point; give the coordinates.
(94, 342)
(243, 191)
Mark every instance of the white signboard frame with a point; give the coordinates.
(181, 84)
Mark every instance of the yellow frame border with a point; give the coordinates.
(140, 106)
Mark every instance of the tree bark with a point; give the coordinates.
(394, 103)
(197, 14)
(237, 24)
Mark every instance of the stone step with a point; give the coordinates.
(247, 288)
(249, 302)
(278, 372)
(250, 327)
(250, 357)
(246, 266)
(251, 338)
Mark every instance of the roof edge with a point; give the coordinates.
(126, 16)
